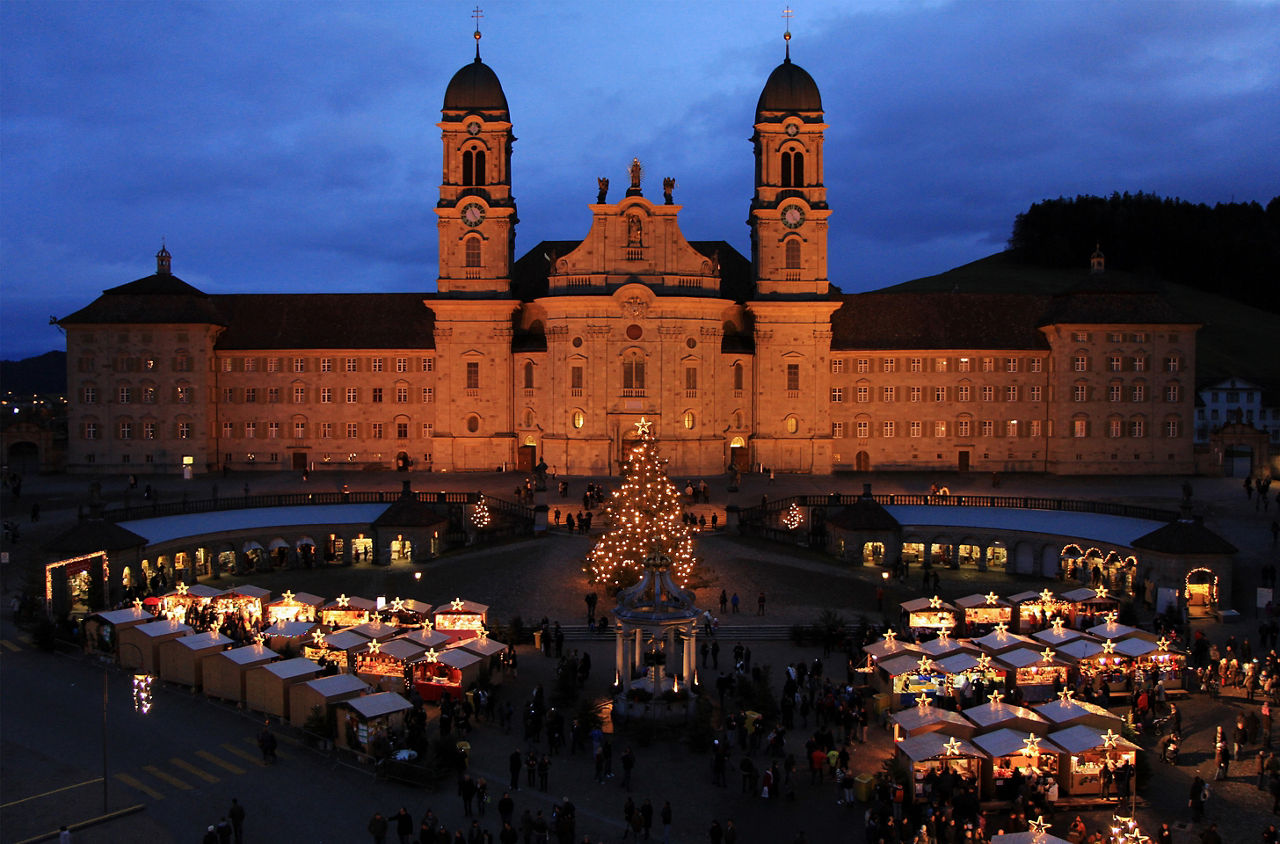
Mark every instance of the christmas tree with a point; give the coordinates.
(644, 519)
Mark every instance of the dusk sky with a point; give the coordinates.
(292, 146)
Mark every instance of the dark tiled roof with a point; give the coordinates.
(156, 299)
(864, 514)
(95, 535)
(410, 512)
(326, 321)
(1112, 299)
(1184, 536)
(938, 321)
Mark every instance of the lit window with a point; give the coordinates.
(1035, 428)
(148, 430)
(864, 365)
(940, 429)
(1011, 365)
(326, 364)
(352, 365)
(890, 364)
(299, 430)
(688, 419)
(837, 394)
(1115, 363)
(940, 365)
(962, 429)
(793, 424)
(988, 364)
(916, 364)
(184, 430)
(1080, 363)
(837, 430)
(915, 429)
(1011, 428)
(579, 419)
(250, 365)
(376, 364)
(962, 365)
(1171, 364)
(914, 394)
(1036, 364)
(1079, 428)
(887, 428)
(1139, 364)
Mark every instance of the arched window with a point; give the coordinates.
(793, 169)
(793, 253)
(786, 170)
(633, 374)
(737, 376)
(473, 167)
(528, 375)
(473, 252)
(689, 420)
(578, 419)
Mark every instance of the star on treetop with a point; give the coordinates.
(642, 427)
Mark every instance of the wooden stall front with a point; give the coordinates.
(266, 688)
(102, 629)
(935, 752)
(367, 717)
(182, 659)
(1037, 678)
(337, 649)
(924, 617)
(1011, 750)
(461, 619)
(1034, 610)
(906, 678)
(981, 613)
(224, 672)
(1098, 663)
(1085, 607)
(347, 612)
(321, 694)
(1168, 663)
(245, 601)
(196, 594)
(1085, 751)
(385, 665)
(971, 676)
(139, 648)
(294, 606)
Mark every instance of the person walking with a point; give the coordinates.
(514, 763)
(404, 825)
(378, 828)
(666, 822)
(628, 764)
(236, 814)
(1198, 796)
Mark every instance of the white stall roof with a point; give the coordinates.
(1113, 530)
(125, 616)
(1081, 648)
(905, 664)
(1027, 838)
(995, 643)
(1077, 596)
(354, 602)
(1119, 631)
(885, 648)
(979, 600)
(481, 647)
(163, 628)
(248, 590)
(427, 638)
(1050, 637)
(989, 714)
(200, 641)
(1022, 657)
(913, 718)
(402, 649)
(958, 663)
(299, 598)
(458, 605)
(933, 746)
(937, 647)
(923, 604)
(289, 668)
(1061, 711)
(380, 703)
(379, 631)
(458, 658)
(1081, 738)
(345, 640)
(249, 654)
(337, 684)
(196, 590)
(1135, 647)
(290, 629)
(1009, 742)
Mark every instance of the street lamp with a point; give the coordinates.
(141, 703)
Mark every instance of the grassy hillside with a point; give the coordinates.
(1236, 339)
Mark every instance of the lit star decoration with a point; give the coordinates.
(935, 603)
(1031, 746)
(1126, 831)
(984, 663)
(1039, 827)
(1047, 654)
(432, 656)
(456, 604)
(397, 605)
(1100, 592)
(375, 646)
(137, 605)
(944, 634)
(1065, 696)
(1046, 597)
(923, 702)
(997, 698)
(1111, 618)
(482, 635)
(317, 636)
(343, 600)
(1058, 624)
(427, 627)
(645, 519)
(952, 747)
(259, 639)
(794, 516)
(182, 588)
(890, 636)
(288, 596)
(1110, 738)
(1108, 646)
(925, 664)
(1162, 644)
(1001, 630)
(992, 598)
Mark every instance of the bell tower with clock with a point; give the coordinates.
(476, 212)
(789, 209)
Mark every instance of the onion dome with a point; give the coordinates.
(790, 88)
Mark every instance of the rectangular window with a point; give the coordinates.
(375, 395)
(184, 430)
(352, 365)
(1035, 394)
(1080, 363)
(353, 430)
(864, 394)
(1010, 364)
(1172, 429)
(250, 430)
(575, 379)
(1080, 392)
(299, 395)
(1171, 364)
(250, 364)
(402, 364)
(1139, 364)
(1011, 392)
(250, 395)
(1036, 365)
(915, 429)
(914, 394)
(226, 364)
(326, 364)
(940, 429)
(962, 429)
(326, 430)
(1172, 393)
(1115, 363)
(1079, 428)
(864, 365)
(299, 430)
(148, 395)
(888, 394)
(375, 430)
(1011, 428)
(1115, 392)
(1137, 428)
(273, 395)
(402, 430)
(940, 365)
(1139, 392)
(964, 365)
(428, 395)
(837, 365)
(125, 395)
(148, 430)
(353, 395)
(273, 364)
(1115, 337)
(184, 395)
(890, 364)
(690, 379)
(988, 364)
(473, 375)
(228, 395)
(837, 395)
(273, 430)
(402, 394)
(326, 395)
(228, 430)
(988, 429)
(376, 365)
(988, 393)
(1035, 428)
(1080, 337)
(917, 365)
(863, 429)
(428, 364)
(126, 430)
(837, 430)
(793, 377)
(939, 393)
(428, 430)
(299, 364)
(887, 428)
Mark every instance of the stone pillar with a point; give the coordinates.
(691, 655)
(637, 650)
(618, 659)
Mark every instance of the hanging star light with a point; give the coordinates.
(992, 598)
(1100, 592)
(984, 662)
(1047, 654)
(432, 656)
(1031, 746)
(137, 605)
(1162, 644)
(952, 747)
(427, 627)
(317, 636)
(642, 427)
(996, 698)
(889, 636)
(935, 603)
(456, 604)
(1058, 624)
(923, 702)
(1111, 618)
(343, 600)
(1065, 697)
(375, 646)
(943, 635)
(482, 635)
(288, 596)
(925, 664)
(1001, 630)
(397, 605)
(1108, 646)
(182, 588)
(1110, 738)
(1039, 827)
(1046, 597)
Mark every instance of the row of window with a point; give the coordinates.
(128, 430)
(1011, 428)
(328, 364)
(1080, 362)
(1010, 392)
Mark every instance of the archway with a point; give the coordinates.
(862, 462)
(1201, 592)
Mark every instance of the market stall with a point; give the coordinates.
(344, 611)
(944, 645)
(139, 648)
(999, 640)
(186, 596)
(1085, 751)
(970, 675)
(406, 613)
(890, 646)
(1085, 607)
(1097, 662)
(321, 694)
(289, 637)
(386, 665)
(366, 718)
(224, 672)
(182, 659)
(1034, 610)
(245, 602)
(337, 649)
(491, 653)
(917, 720)
(102, 628)
(925, 617)
(1057, 634)
(1066, 712)
(995, 714)
(930, 754)
(981, 613)
(461, 619)
(266, 687)
(294, 606)
(1010, 751)
(1037, 674)
(907, 676)
(1165, 663)
(427, 637)
(1116, 632)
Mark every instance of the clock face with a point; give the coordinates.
(793, 216)
(473, 214)
(473, 128)
(793, 129)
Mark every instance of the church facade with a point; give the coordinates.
(740, 361)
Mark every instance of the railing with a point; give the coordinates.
(1013, 502)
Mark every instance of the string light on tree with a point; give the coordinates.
(644, 518)
(794, 517)
(480, 516)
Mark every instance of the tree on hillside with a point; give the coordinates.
(644, 518)
(1232, 248)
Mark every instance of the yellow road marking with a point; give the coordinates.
(165, 777)
(136, 784)
(243, 754)
(47, 793)
(209, 757)
(192, 769)
(10, 645)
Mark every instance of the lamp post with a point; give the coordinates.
(141, 703)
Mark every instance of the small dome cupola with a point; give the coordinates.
(1097, 261)
(790, 88)
(475, 87)
(163, 261)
